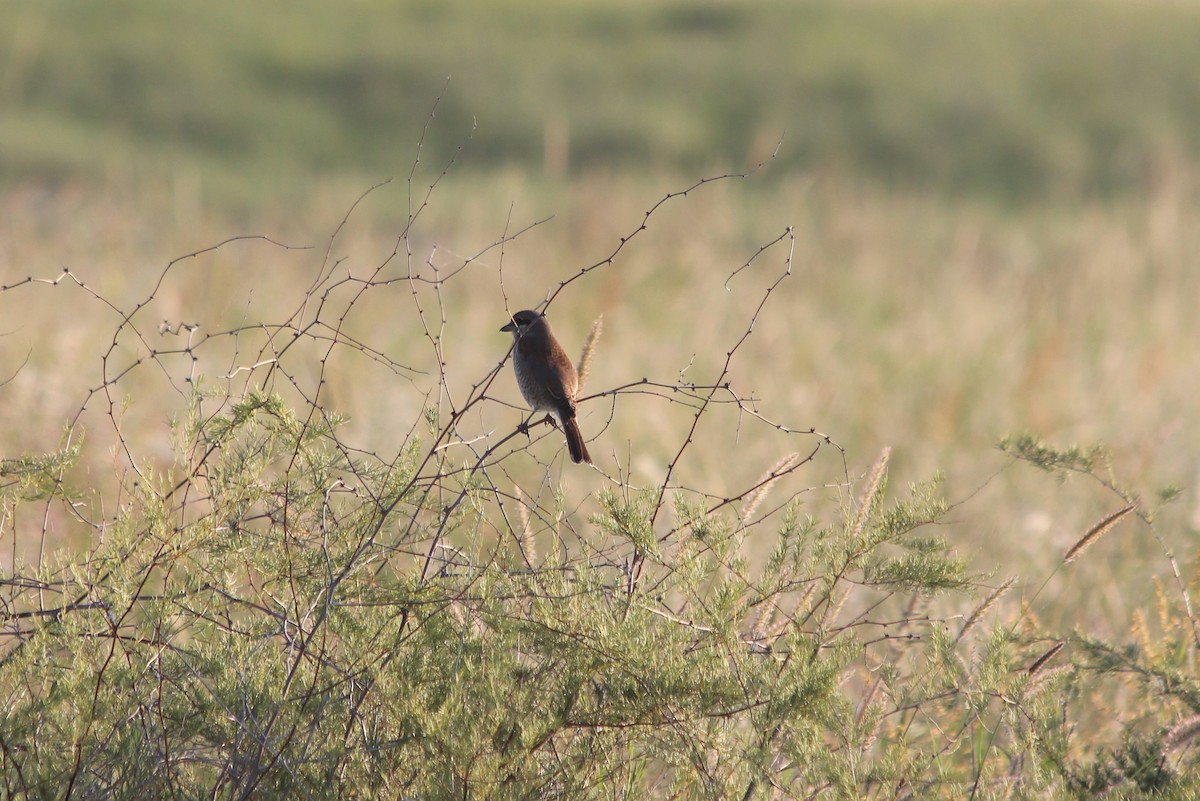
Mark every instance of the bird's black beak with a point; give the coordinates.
(510, 327)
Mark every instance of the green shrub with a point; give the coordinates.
(286, 607)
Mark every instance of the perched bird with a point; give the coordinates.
(546, 376)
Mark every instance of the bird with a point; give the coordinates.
(547, 378)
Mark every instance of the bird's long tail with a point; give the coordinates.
(578, 450)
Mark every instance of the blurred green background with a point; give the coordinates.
(1004, 100)
(995, 208)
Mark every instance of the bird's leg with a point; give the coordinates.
(523, 427)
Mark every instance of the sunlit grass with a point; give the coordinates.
(930, 326)
(994, 220)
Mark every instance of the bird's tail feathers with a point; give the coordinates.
(579, 452)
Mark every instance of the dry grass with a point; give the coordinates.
(929, 326)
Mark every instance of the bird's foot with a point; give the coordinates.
(524, 425)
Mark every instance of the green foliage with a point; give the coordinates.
(1058, 461)
(626, 519)
(245, 630)
(36, 475)
(1093, 462)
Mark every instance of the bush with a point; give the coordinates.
(283, 608)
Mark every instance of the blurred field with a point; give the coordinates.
(994, 207)
(248, 104)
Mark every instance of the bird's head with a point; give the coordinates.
(522, 321)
